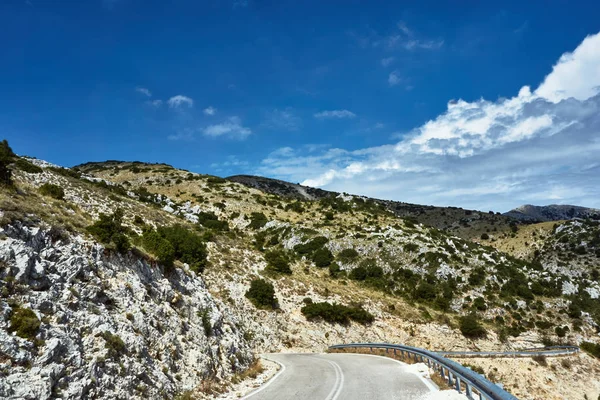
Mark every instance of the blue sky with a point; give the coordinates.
(414, 101)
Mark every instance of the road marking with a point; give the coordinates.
(339, 381)
(266, 385)
(430, 385)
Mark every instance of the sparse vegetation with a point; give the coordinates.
(51, 190)
(262, 294)
(336, 313)
(470, 327)
(108, 229)
(24, 322)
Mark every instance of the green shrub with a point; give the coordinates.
(257, 220)
(591, 348)
(170, 243)
(336, 313)
(470, 327)
(485, 236)
(347, 255)
(54, 191)
(109, 230)
(204, 315)
(114, 344)
(138, 220)
(425, 292)
(311, 246)
(335, 270)
(28, 167)
(322, 258)
(262, 294)
(210, 221)
(278, 262)
(410, 247)
(6, 157)
(24, 322)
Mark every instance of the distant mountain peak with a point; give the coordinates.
(552, 212)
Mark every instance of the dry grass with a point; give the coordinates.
(252, 372)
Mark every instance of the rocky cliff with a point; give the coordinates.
(110, 325)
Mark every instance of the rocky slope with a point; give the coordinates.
(553, 212)
(111, 326)
(195, 327)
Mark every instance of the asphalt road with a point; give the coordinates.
(340, 377)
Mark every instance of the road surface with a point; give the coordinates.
(341, 377)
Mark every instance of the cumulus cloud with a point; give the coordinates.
(144, 91)
(180, 101)
(232, 128)
(210, 110)
(335, 114)
(538, 147)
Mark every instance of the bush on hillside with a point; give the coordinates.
(336, 313)
(24, 322)
(311, 246)
(108, 229)
(6, 157)
(322, 258)
(471, 328)
(28, 167)
(262, 294)
(277, 261)
(210, 221)
(591, 348)
(257, 220)
(347, 255)
(54, 191)
(170, 243)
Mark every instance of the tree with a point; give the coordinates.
(470, 327)
(6, 157)
(262, 294)
(109, 230)
(322, 258)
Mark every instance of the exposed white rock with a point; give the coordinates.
(80, 292)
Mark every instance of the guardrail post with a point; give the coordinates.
(457, 385)
(450, 380)
(394, 351)
(469, 392)
(442, 372)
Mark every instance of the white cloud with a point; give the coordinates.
(210, 110)
(285, 119)
(155, 103)
(144, 91)
(394, 78)
(402, 26)
(539, 147)
(180, 101)
(335, 114)
(576, 74)
(232, 127)
(387, 61)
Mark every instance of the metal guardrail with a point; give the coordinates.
(551, 351)
(457, 375)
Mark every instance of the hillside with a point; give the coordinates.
(467, 224)
(171, 266)
(553, 212)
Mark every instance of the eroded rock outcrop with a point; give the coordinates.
(111, 325)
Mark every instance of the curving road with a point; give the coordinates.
(341, 376)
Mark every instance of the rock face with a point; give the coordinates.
(553, 212)
(112, 326)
